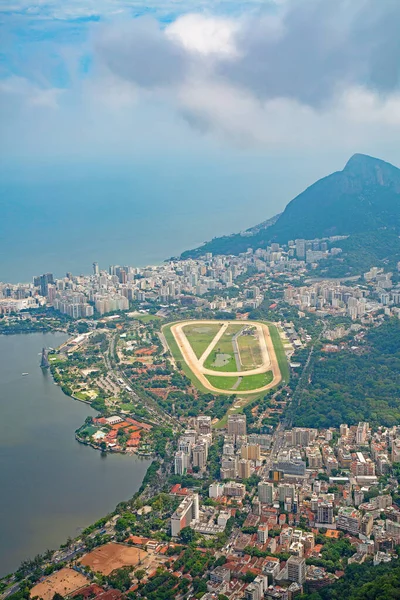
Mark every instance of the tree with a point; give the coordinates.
(120, 579)
(187, 535)
(139, 574)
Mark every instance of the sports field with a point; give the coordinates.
(62, 582)
(229, 357)
(105, 559)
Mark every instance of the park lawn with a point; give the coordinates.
(250, 351)
(56, 360)
(146, 318)
(83, 396)
(126, 406)
(222, 383)
(89, 430)
(201, 336)
(254, 382)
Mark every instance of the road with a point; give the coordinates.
(11, 590)
(117, 373)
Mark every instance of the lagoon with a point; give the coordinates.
(50, 485)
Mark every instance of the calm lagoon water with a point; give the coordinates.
(50, 485)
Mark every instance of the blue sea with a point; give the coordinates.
(62, 218)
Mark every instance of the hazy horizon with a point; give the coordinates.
(187, 120)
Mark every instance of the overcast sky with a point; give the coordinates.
(114, 81)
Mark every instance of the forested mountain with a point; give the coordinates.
(362, 198)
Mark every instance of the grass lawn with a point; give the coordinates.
(126, 406)
(176, 353)
(222, 383)
(253, 382)
(250, 351)
(82, 396)
(201, 336)
(224, 346)
(280, 352)
(146, 318)
(90, 429)
(212, 358)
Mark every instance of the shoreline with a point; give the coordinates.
(51, 402)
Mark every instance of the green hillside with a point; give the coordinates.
(362, 199)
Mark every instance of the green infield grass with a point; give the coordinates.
(176, 353)
(249, 351)
(200, 336)
(254, 382)
(222, 383)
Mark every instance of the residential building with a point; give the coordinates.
(296, 567)
(325, 513)
(349, 519)
(181, 462)
(187, 511)
(237, 490)
(266, 492)
(237, 425)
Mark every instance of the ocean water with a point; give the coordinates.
(63, 219)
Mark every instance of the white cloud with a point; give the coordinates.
(242, 80)
(205, 35)
(30, 94)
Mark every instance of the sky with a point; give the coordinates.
(280, 92)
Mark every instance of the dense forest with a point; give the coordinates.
(363, 582)
(355, 384)
(379, 248)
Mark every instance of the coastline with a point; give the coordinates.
(81, 439)
(38, 449)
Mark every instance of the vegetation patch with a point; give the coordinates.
(279, 352)
(222, 383)
(249, 350)
(201, 336)
(220, 361)
(254, 382)
(176, 353)
(355, 385)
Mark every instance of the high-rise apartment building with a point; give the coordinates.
(296, 567)
(266, 492)
(362, 433)
(187, 511)
(203, 424)
(199, 455)
(237, 425)
(251, 452)
(181, 462)
(262, 533)
(286, 490)
(325, 513)
(349, 519)
(43, 282)
(244, 469)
